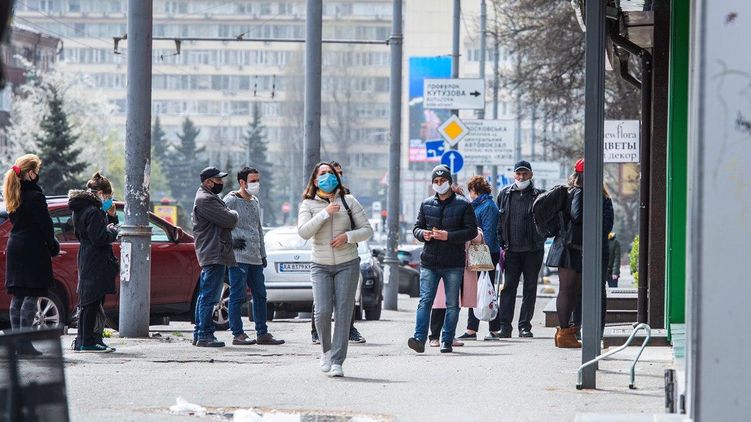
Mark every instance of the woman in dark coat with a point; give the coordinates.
(31, 244)
(95, 220)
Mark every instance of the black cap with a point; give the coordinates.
(210, 172)
(442, 171)
(522, 165)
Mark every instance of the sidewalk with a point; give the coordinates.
(511, 380)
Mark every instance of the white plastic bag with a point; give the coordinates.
(487, 300)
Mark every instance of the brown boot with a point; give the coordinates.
(567, 338)
(557, 336)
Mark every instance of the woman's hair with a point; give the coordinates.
(13, 177)
(479, 185)
(311, 190)
(605, 192)
(576, 180)
(99, 183)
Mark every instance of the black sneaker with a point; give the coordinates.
(314, 337)
(467, 337)
(525, 333)
(504, 334)
(416, 345)
(355, 336)
(209, 343)
(446, 347)
(493, 336)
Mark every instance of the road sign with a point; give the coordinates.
(546, 170)
(489, 142)
(453, 130)
(453, 160)
(434, 149)
(454, 94)
(286, 207)
(621, 141)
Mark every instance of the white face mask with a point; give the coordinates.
(522, 184)
(441, 189)
(254, 188)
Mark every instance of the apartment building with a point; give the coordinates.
(217, 84)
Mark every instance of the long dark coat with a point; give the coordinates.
(31, 245)
(97, 265)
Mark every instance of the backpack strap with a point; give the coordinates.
(349, 213)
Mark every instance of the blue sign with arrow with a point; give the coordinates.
(453, 160)
(435, 149)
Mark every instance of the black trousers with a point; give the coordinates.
(474, 323)
(518, 264)
(577, 317)
(86, 323)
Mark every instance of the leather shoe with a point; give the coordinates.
(416, 345)
(524, 333)
(446, 347)
(268, 339)
(209, 343)
(504, 334)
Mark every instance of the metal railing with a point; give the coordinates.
(632, 383)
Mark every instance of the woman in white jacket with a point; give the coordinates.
(336, 222)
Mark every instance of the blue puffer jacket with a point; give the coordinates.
(486, 212)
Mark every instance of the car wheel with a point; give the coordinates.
(414, 287)
(50, 311)
(374, 313)
(221, 310)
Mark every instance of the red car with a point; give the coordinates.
(174, 269)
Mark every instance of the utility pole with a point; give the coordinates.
(518, 146)
(496, 87)
(483, 52)
(135, 241)
(594, 122)
(456, 32)
(395, 147)
(312, 112)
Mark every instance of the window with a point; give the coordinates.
(158, 234)
(62, 223)
(74, 6)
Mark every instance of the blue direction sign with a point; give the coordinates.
(434, 149)
(453, 160)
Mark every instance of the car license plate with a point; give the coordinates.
(294, 267)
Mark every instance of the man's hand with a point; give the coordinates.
(333, 208)
(264, 262)
(440, 235)
(112, 211)
(239, 244)
(428, 235)
(339, 241)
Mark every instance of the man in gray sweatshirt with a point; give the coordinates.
(250, 254)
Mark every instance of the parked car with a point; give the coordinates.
(174, 270)
(409, 270)
(288, 285)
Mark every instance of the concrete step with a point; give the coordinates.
(613, 316)
(617, 336)
(629, 417)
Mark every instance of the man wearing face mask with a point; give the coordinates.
(444, 223)
(523, 246)
(250, 254)
(212, 228)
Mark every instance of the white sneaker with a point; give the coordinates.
(326, 361)
(336, 371)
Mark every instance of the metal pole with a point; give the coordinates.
(532, 156)
(594, 115)
(455, 35)
(496, 87)
(135, 243)
(312, 112)
(518, 143)
(483, 52)
(395, 147)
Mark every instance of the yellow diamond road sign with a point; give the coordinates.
(453, 130)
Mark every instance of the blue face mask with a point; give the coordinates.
(107, 204)
(327, 182)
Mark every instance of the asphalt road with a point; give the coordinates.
(510, 380)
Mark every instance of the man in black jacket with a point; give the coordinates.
(524, 249)
(445, 222)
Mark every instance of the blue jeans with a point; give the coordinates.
(251, 276)
(429, 279)
(209, 293)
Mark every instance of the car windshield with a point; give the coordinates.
(277, 241)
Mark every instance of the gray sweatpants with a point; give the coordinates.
(334, 288)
